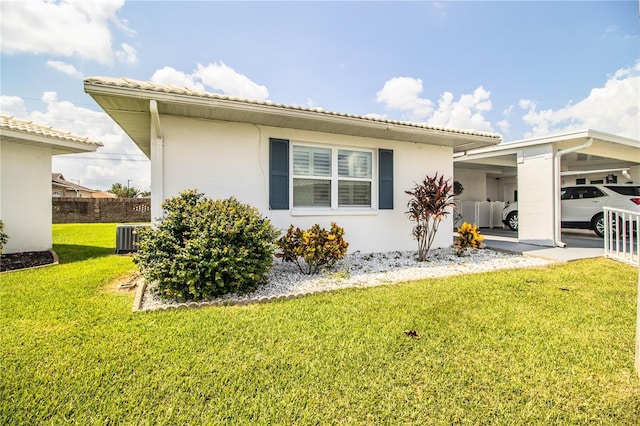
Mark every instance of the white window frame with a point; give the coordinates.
(334, 209)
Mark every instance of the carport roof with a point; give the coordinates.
(604, 145)
(61, 142)
(127, 102)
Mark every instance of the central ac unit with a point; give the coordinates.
(127, 238)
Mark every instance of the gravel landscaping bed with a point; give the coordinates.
(359, 270)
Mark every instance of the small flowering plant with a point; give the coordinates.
(468, 238)
(316, 246)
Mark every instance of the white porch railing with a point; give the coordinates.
(622, 235)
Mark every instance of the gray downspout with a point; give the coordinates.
(556, 188)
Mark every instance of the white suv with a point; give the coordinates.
(582, 205)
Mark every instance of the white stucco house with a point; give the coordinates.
(297, 165)
(26, 149)
(532, 171)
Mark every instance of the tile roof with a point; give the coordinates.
(167, 89)
(57, 178)
(32, 129)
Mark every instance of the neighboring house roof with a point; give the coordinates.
(61, 142)
(103, 194)
(57, 180)
(127, 102)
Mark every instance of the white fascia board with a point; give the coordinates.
(491, 152)
(620, 140)
(582, 134)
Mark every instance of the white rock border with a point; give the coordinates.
(356, 270)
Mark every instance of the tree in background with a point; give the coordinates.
(124, 191)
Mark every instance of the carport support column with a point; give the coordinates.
(157, 163)
(535, 195)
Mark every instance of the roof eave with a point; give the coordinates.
(273, 115)
(58, 146)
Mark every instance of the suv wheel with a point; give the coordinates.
(597, 224)
(512, 220)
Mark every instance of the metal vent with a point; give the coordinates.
(127, 237)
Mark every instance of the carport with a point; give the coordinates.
(537, 168)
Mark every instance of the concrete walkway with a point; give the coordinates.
(581, 244)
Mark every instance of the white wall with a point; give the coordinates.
(634, 171)
(474, 183)
(232, 159)
(535, 195)
(25, 190)
(506, 187)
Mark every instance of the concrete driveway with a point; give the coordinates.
(581, 244)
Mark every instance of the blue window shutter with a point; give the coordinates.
(278, 174)
(385, 179)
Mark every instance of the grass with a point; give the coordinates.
(541, 346)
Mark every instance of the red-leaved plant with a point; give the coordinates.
(430, 202)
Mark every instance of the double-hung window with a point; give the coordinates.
(328, 178)
(311, 176)
(354, 178)
(332, 177)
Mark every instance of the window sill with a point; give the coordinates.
(333, 212)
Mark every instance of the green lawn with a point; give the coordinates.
(543, 346)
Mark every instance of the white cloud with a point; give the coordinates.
(213, 77)
(172, 77)
(613, 108)
(313, 104)
(127, 55)
(221, 77)
(504, 126)
(465, 113)
(376, 116)
(403, 94)
(119, 159)
(437, 9)
(64, 68)
(12, 106)
(64, 28)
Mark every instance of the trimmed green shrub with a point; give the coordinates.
(316, 246)
(204, 248)
(3, 237)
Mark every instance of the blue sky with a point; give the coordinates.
(520, 69)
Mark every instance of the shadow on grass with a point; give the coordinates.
(69, 253)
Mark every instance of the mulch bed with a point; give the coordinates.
(27, 259)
